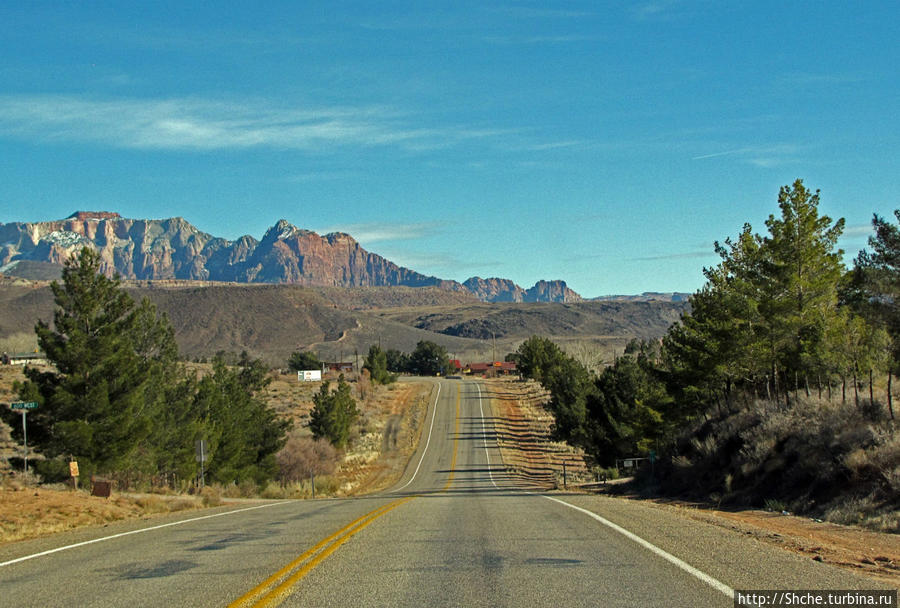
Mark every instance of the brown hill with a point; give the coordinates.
(272, 321)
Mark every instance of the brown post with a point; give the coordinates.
(871, 389)
(890, 398)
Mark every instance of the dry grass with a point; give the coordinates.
(29, 512)
(523, 433)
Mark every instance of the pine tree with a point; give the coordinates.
(109, 356)
(377, 364)
(333, 413)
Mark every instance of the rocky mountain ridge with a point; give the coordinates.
(173, 249)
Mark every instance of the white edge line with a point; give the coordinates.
(99, 540)
(715, 584)
(484, 432)
(427, 441)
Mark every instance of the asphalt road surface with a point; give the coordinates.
(455, 531)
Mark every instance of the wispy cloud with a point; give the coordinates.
(199, 124)
(768, 156)
(531, 12)
(655, 9)
(375, 232)
(437, 263)
(821, 79)
(546, 39)
(857, 231)
(689, 255)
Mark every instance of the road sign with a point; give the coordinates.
(24, 405)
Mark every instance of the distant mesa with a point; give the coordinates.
(173, 249)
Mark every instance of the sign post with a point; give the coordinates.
(73, 471)
(24, 406)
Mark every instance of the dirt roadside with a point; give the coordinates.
(523, 427)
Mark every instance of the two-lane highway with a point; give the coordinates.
(457, 530)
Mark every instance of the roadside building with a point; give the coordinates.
(23, 359)
(490, 370)
(342, 367)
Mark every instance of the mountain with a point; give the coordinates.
(504, 290)
(173, 249)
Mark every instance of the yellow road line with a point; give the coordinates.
(265, 594)
(347, 531)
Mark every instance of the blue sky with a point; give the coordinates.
(604, 143)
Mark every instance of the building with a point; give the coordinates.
(23, 359)
(489, 370)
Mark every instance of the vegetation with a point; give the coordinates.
(429, 359)
(120, 403)
(334, 413)
(741, 396)
(377, 364)
(304, 361)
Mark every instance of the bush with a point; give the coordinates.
(833, 460)
(304, 456)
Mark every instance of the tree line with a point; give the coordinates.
(779, 319)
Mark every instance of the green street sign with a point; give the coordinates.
(24, 405)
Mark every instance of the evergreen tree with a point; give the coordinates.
(244, 434)
(396, 361)
(112, 358)
(875, 285)
(377, 364)
(304, 361)
(803, 269)
(333, 413)
(429, 359)
(536, 356)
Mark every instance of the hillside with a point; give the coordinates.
(272, 321)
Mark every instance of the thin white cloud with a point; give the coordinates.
(539, 13)
(654, 9)
(857, 231)
(689, 255)
(198, 124)
(718, 154)
(561, 39)
(767, 156)
(375, 232)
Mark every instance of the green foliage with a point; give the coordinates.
(429, 359)
(537, 356)
(304, 361)
(112, 358)
(243, 434)
(396, 361)
(334, 413)
(377, 364)
(874, 288)
(765, 317)
(120, 403)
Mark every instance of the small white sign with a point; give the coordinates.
(313, 375)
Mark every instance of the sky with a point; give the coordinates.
(607, 144)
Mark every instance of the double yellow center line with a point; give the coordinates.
(274, 589)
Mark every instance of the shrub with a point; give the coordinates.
(304, 456)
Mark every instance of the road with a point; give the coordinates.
(455, 531)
